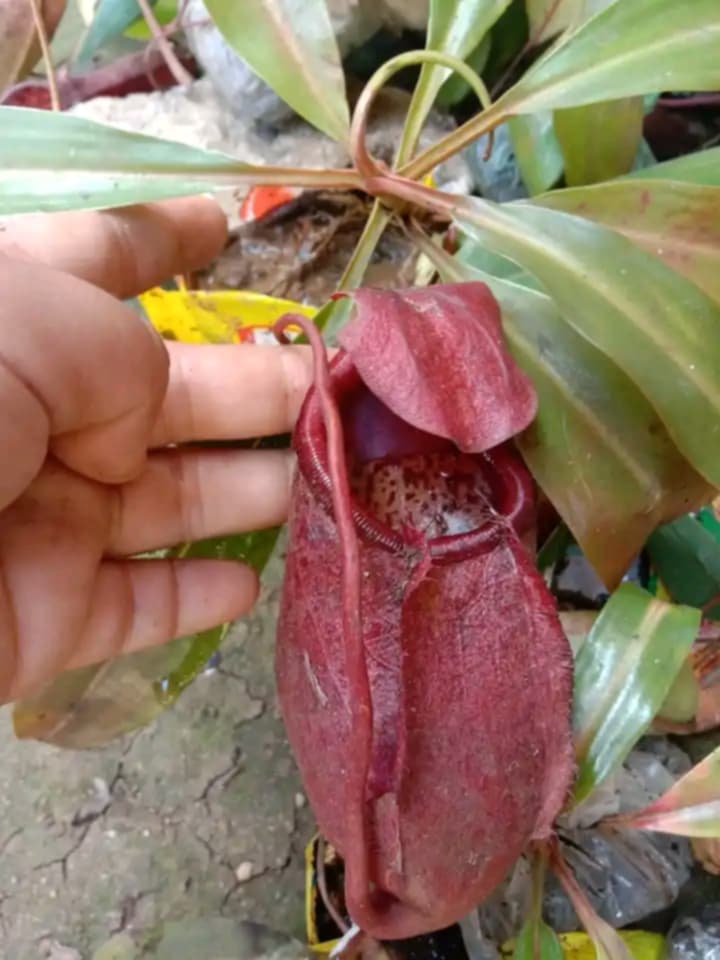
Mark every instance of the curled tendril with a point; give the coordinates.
(366, 164)
(358, 879)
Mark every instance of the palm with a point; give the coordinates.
(96, 415)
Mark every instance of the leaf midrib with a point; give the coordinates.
(276, 10)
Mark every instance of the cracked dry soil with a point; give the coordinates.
(199, 815)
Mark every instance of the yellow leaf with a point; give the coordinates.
(165, 11)
(222, 316)
(318, 947)
(578, 946)
(643, 946)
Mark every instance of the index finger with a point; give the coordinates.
(232, 392)
(123, 251)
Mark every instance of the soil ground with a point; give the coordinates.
(199, 815)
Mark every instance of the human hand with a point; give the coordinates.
(90, 400)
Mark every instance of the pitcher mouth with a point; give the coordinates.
(376, 440)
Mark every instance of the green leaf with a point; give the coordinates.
(596, 447)
(455, 27)
(702, 168)
(552, 552)
(54, 161)
(623, 673)
(538, 943)
(659, 328)
(224, 939)
(165, 11)
(455, 88)
(333, 317)
(508, 38)
(481, 259)
(647, 45)
(678, 222)
(709, 518)
(537, 150)
(600, 141)
(291, 45)
(89, 707)
(682, 702)
(536, 940)
(690, 808)
(687, 559)
(645, 157)
(549, 17)
(112, 18)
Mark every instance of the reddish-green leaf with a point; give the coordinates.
(607, 941)
(19, 47)
(647, 45)
(291, 45)
(54, 161)
(702, 168)
(691, 808)
(548, 17)
(599, 141)
(659, 328)
(623, 673)
(678, 222)
(596, 447)
(455, 27)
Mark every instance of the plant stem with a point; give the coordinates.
(46, 54)
(366, 165)
(363, 252)
(181, 75)
(450, 269)
(454, 142)
(605, 938)
(532, 41)
(358, 871)
(288, 177)
(394, 185)
(538, 874)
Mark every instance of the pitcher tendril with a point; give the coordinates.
(366, 165)
(356, 665)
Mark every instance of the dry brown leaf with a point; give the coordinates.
(19, 47)
(707, 851)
